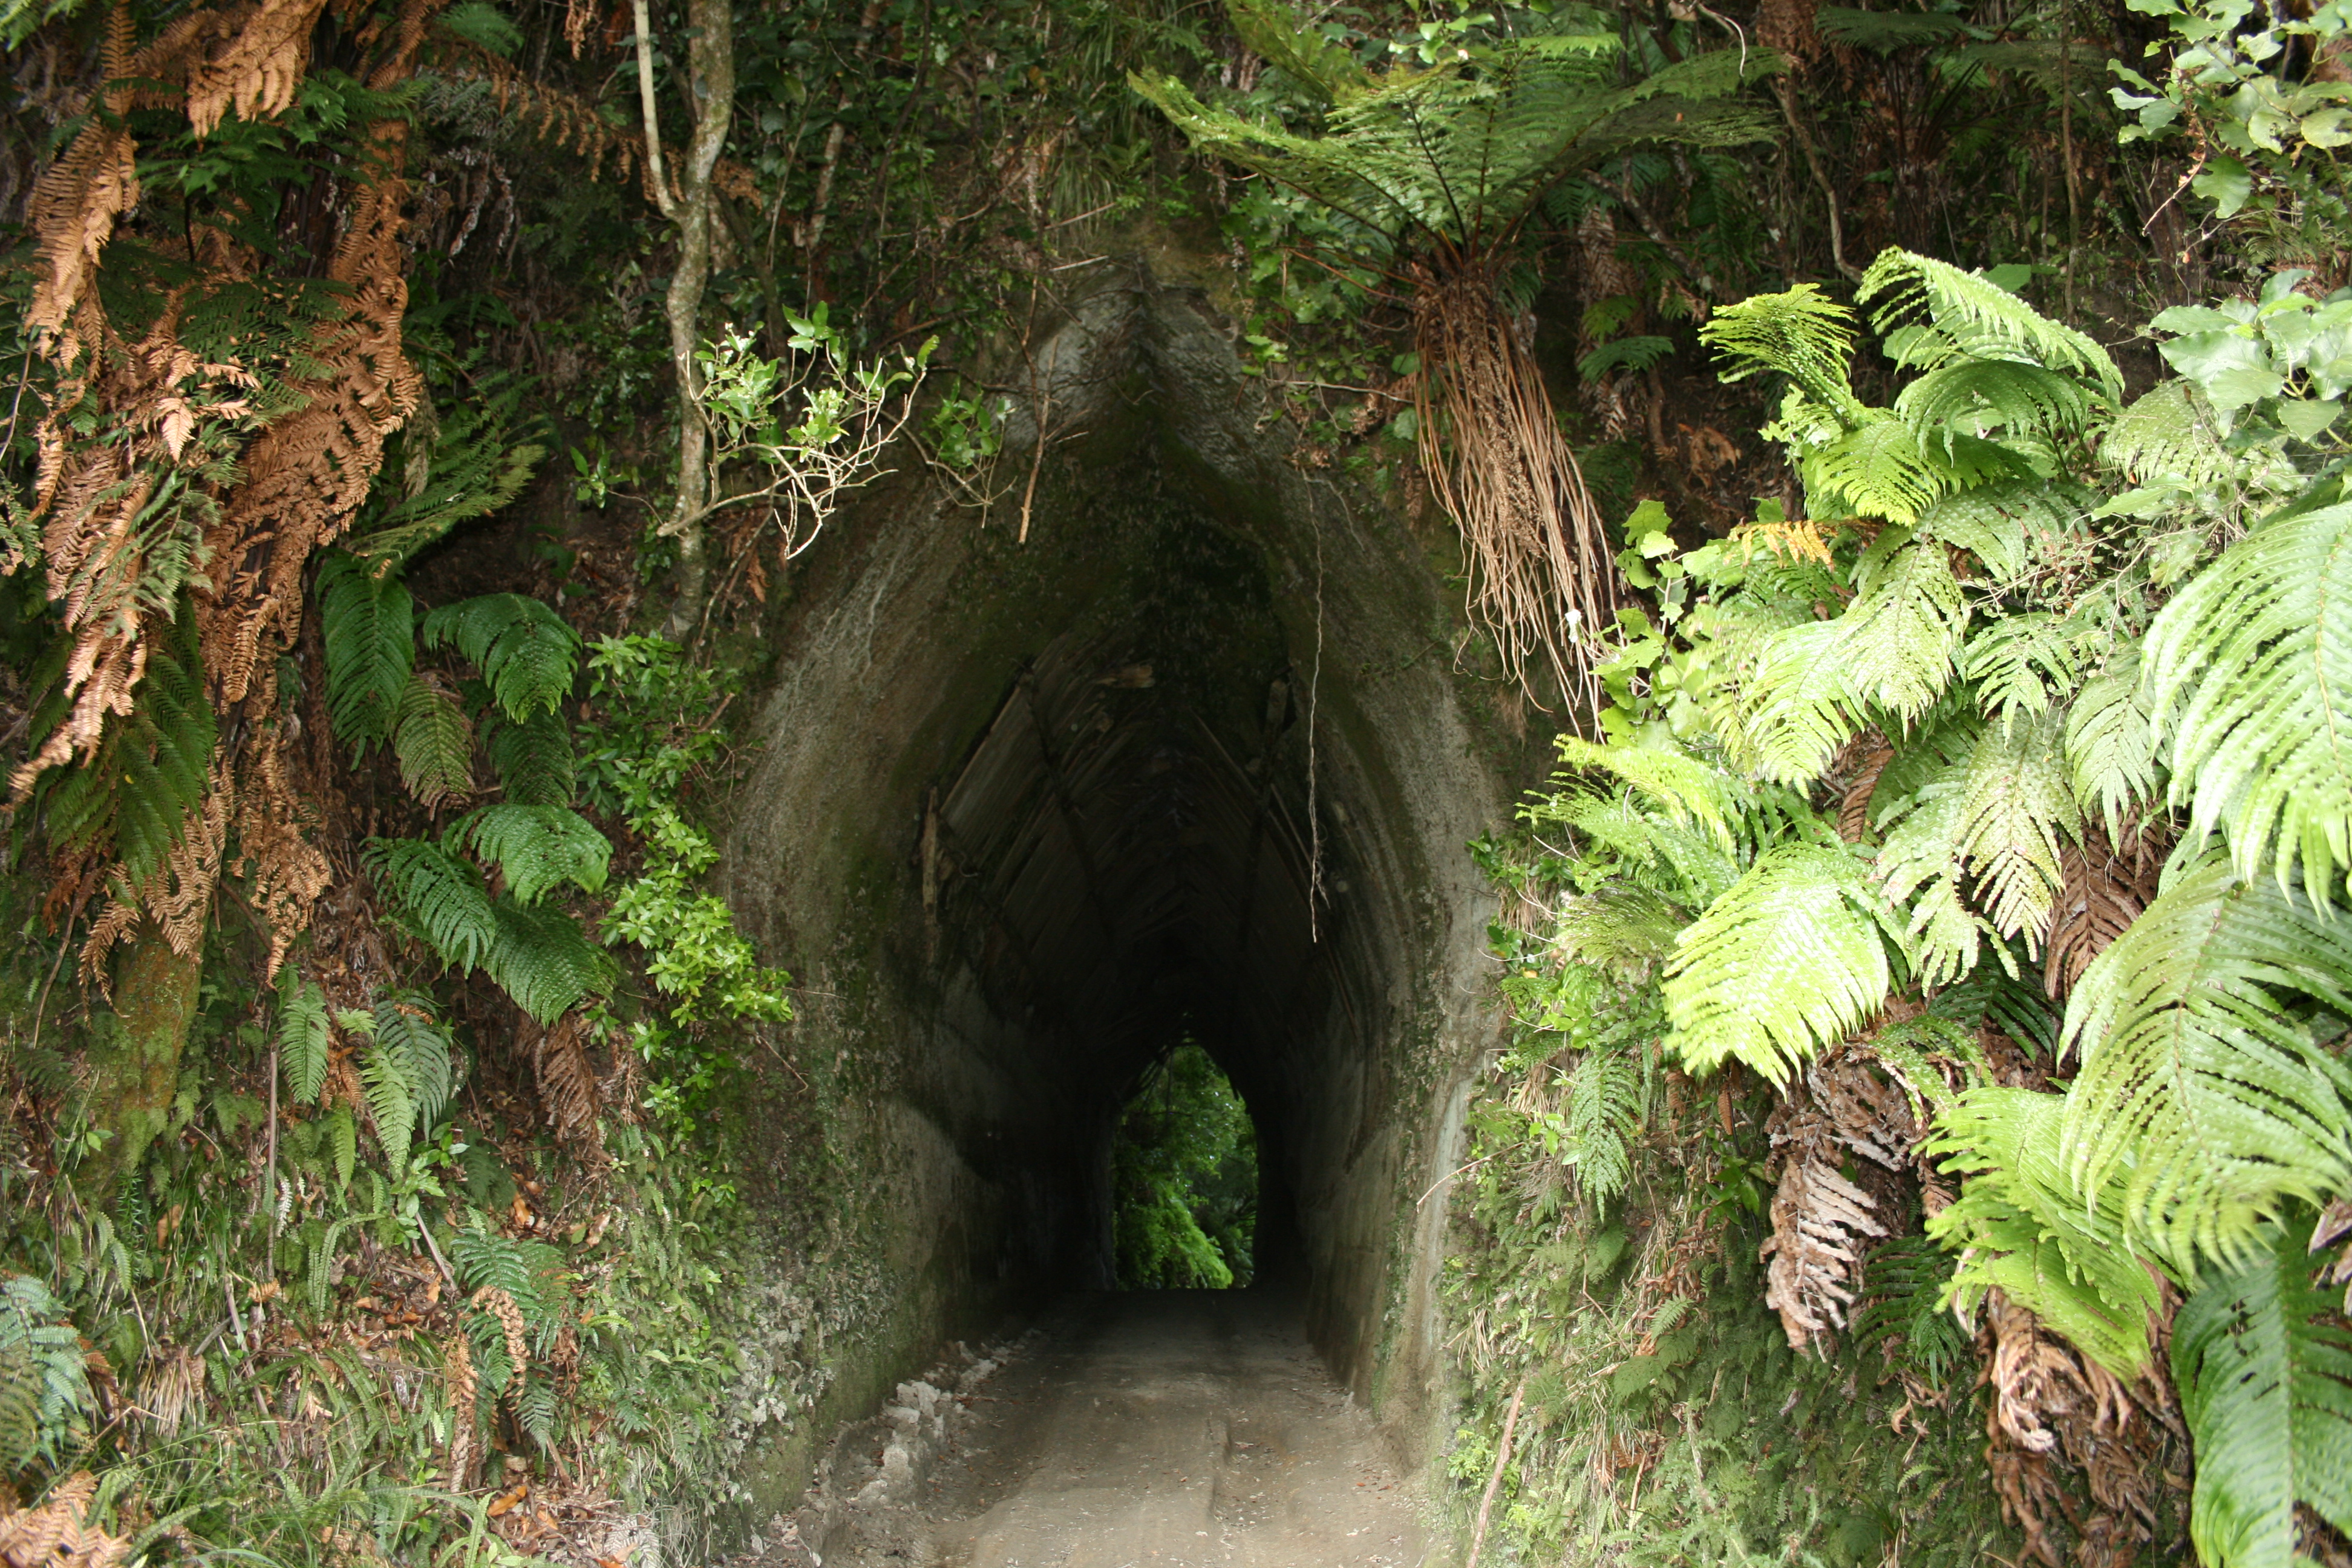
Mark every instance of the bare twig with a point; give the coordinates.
(1495, 1480)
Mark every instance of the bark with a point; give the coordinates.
(135, 1068)
(691, 205)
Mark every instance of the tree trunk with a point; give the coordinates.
(710, 99)
(135, 1069)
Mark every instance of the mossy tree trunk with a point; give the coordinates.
(135, 1067)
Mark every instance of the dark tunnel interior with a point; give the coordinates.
(1127, 859)
(1187, 761)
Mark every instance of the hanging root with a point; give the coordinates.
(1542, 581)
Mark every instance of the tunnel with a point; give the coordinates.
(1197, 757)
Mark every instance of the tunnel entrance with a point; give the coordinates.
(1188, 768)
(1184, 1180)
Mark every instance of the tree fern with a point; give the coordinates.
(1792, 958)
(1598, 1120)
(1920, 866)
(1903, 632)
(1979, 395)
(367, 621)
(534, 760)
(1798, 708)
(524, 649)
(1881, 466)
(2022, 1229)
(2248, 670)
(2265, 1379)
(1623, 928)
(302, 1036)
(434, 744)
(537, 847)
(545, 962)
(2200, 1096)
(442, 896)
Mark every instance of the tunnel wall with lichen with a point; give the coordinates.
(1192, 759)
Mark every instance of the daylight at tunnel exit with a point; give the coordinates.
(1152, 783)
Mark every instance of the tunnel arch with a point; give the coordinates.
(1194, 755)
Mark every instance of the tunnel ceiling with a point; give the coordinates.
(1127, 851)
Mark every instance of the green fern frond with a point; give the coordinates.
(1980, 395)
(1277, 34)
(391, 1101)
(433, 744)
(534, 760)
(1880, 468)
(1990, 996)
(537, 847)
(2111, 742)
(2201, 1097)
(2021, 664)
(367, 621)
(302, 1036)
(1984, 319)
(2265, 1379)
(1884, 32)
(1802, 334)
(1686, 789)
(1902, 634)
(442, 897)
(405, 1025)
(1920, 866)
(1903, 1289)
(2249, 670)
(1623, 928)
(2023, 1230)
(2169, 434)
(1792, 958)
(1600, 1119)
(1798, 709)
(1996, 522)
(476, 466)
(1686, 865)
(525, 650)
(545, 962)
(2013, 804)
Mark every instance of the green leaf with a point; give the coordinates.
(2265, 1380)
(2250, 668)
(1791, 958)
(2226, 183)
(534, 760)
(2201, 1099)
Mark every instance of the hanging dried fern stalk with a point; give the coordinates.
(1542, 581)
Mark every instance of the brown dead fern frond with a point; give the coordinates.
(57, 1534)
(255, 69)
(463, 1383)
(2104, 886)
(567, 1084)
(1543, 582)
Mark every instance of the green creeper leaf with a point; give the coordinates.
(2227, 184)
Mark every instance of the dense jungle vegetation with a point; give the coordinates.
(1899, 448)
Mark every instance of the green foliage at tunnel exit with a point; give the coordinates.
(1184, 1180)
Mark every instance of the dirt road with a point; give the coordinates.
(1152, 1430)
